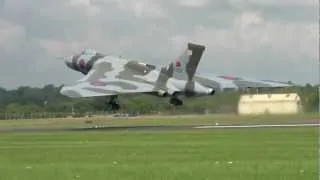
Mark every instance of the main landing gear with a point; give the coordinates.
(113, 103)
(176, 101)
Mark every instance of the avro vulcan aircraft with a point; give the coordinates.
(106, 75)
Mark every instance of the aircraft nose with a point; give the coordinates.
(68, 62)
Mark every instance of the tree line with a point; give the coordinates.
(48, 99)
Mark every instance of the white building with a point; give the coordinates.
(269, 104)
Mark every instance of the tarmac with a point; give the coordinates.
(151, 128)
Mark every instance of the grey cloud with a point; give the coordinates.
(288, 13)
(1, 6)
(218, 14)
(145, 39)
(261, 64)
(45, 19)
(281, 11)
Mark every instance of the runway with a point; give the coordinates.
(152, 128)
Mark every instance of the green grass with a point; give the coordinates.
(161, 120)
(264, 154)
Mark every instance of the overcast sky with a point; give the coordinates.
(263, 39)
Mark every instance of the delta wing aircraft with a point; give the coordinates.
(106, 75)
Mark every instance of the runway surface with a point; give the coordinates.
(153, 128)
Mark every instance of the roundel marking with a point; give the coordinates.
(82, 63)
(178, 64)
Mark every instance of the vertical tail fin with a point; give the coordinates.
(185, 66)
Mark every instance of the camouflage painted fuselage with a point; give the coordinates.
(111, 75)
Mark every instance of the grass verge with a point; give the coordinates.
(237, 154)
(161, 120)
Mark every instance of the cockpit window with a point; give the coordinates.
(75, 58)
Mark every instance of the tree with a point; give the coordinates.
(48, 99)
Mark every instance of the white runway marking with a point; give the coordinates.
(256, 126)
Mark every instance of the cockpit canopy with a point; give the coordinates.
(88, 52)
(83, 61)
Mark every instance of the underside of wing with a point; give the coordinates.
(112, 77)
(105, 87)
(223, 83)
